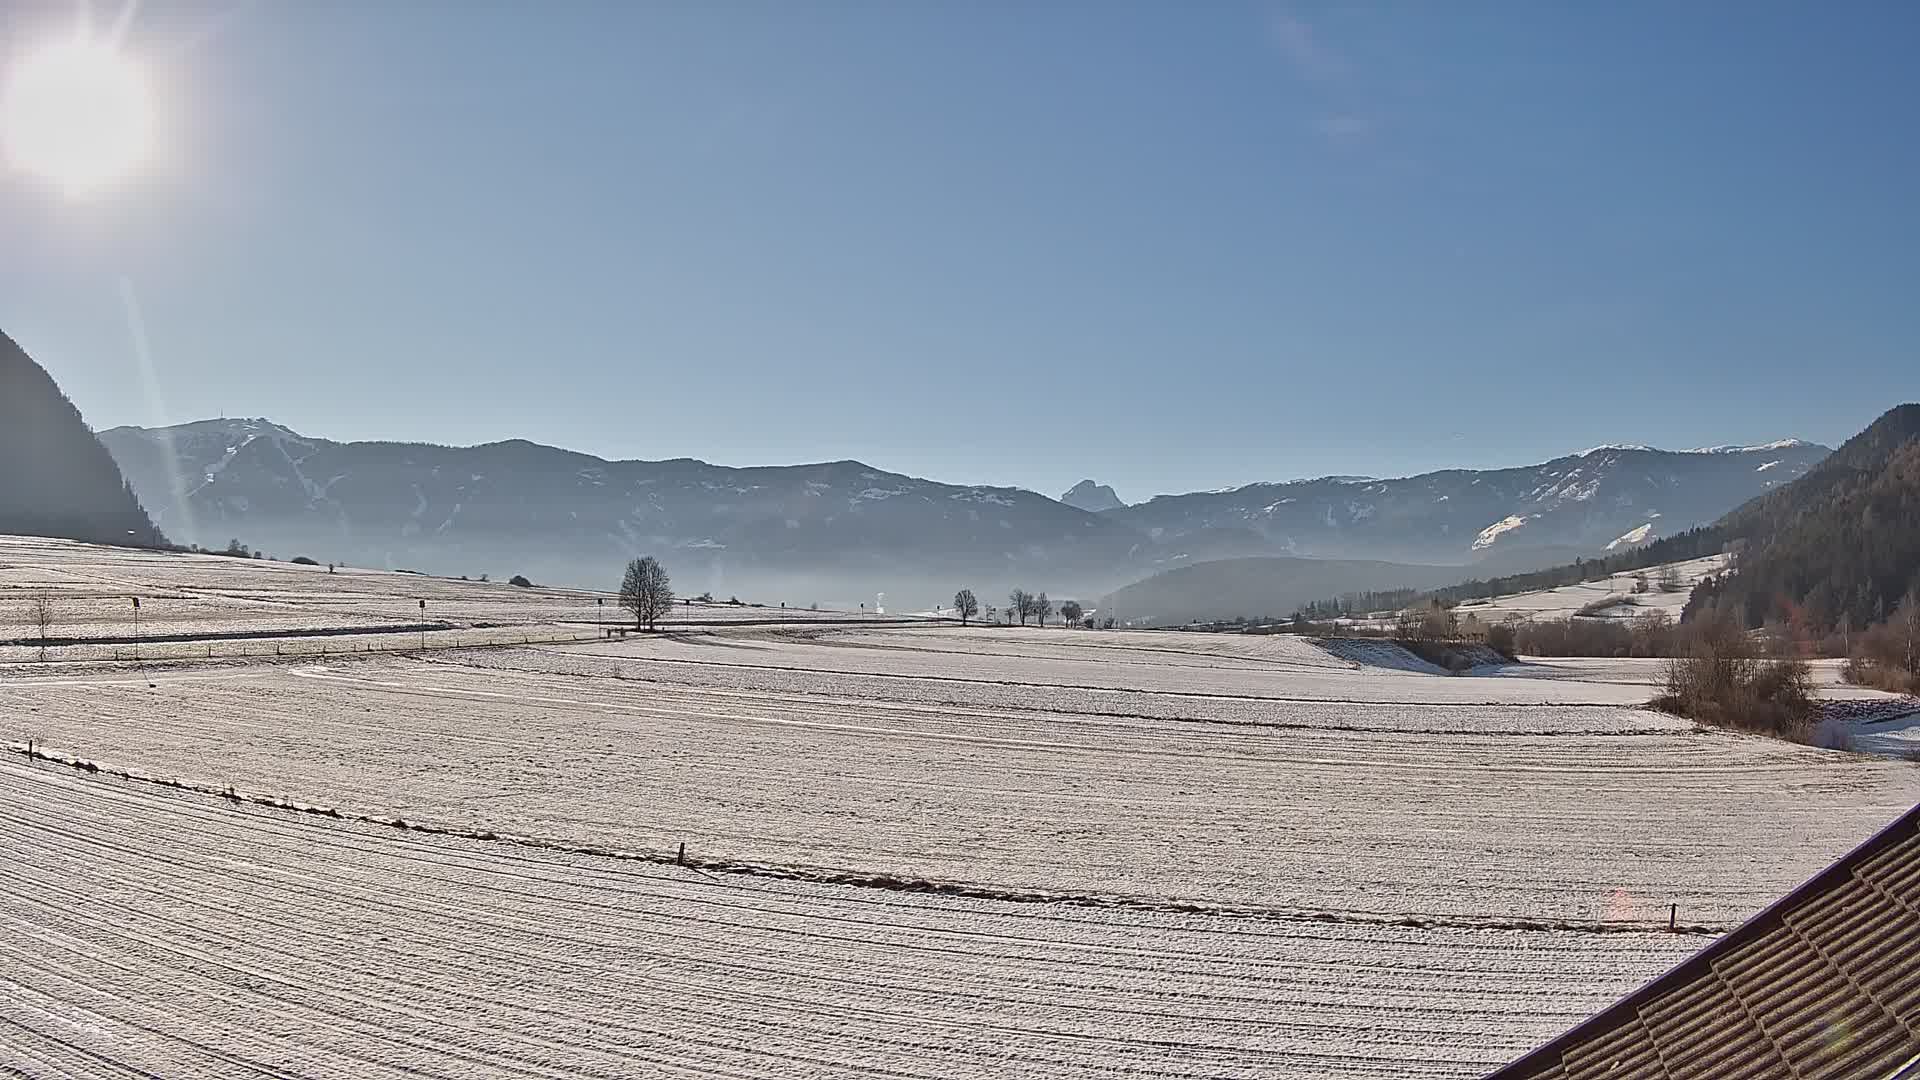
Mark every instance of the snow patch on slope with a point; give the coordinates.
(1492, 533)
(1632, 536)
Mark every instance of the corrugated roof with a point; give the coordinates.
(1823, 985)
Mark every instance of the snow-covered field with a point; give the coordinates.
(213, 597)
(1568, 600)
(153, 933)
(1155, 854)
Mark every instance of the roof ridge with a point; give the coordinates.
(1532, 1064)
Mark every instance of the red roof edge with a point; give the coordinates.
(1901, 828)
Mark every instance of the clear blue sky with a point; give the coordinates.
(1169, 246)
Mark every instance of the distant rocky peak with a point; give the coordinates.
(1091, 497)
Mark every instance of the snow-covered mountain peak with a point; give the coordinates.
(1777, 444)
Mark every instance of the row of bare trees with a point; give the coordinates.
(1024, 605)
(1021, 604)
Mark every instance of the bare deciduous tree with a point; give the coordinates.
(40, 617)
(1020, 603)
(1071, 612)
(966, 605)
(1906, 622)
(1042, 607)
(646, 591)
(1669, 579)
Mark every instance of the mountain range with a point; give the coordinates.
(1604, 498)
(839, 532)
(833, 533)
(1836, 550)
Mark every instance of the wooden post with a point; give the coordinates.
(1673, 917)
(682, 857)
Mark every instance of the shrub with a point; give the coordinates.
(1432, 622)
(1503, 639)
(520, 580)
(1438, 653)
(304, 561)
(1717, 678)
(1861, 671)
(1574, 637)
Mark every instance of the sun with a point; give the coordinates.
(77, 114)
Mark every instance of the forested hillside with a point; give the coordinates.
(1836, 549)
(55, 477)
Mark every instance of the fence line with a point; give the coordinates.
(311, 648)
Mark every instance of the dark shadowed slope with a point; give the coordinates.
(1840, 544)
(55, 477)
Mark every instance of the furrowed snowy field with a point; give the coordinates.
(246, 607)
(916, 850)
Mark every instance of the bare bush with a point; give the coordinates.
(1887, 655)
(1504, 639)
(1573, 637)
(1429, 622)
(1861, 671)
(1717, 677)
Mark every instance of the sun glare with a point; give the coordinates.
(76, 114)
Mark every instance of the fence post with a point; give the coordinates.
(682, 857)
(1673, 917)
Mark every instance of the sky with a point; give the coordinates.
(1167, 246)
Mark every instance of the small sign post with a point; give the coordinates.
(136, 629)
